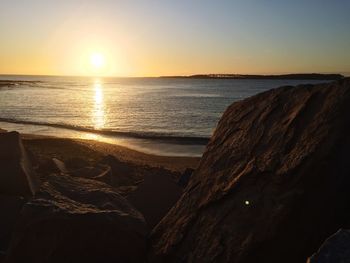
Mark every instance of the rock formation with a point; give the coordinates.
(17, 183)
(335, 249)
(272, 184)
(78, 220)
(64, 218)
(16, 174)
(155, 196)
(185, 177)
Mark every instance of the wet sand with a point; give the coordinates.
(63, 149)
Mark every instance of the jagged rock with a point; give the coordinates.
(335, 249)
(16, 174)
(272, 184)
(185, 177)
(155, 196)
(78, 220)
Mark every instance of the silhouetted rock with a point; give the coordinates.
(272, 184)
(155, 196)
(335, 249)
(185, 177)
(122, 172)
(78, 220)
(16, 174)
(10, 207)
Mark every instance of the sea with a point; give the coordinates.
(161, 116)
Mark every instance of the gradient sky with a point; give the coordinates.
(175, 37)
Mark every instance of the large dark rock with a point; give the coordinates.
(185, 177)
(10, 207)
(16, 174)
(335, 249)
(155, 196)
(78, 220)
(272, 184)
(17, 183)
(122, 173)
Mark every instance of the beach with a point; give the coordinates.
(65, 148)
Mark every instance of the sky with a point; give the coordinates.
(174, 37)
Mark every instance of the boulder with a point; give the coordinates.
(155, 196)
(185, 177)
(123, 173)
(10, 207)
(75, 219)
(60, 166)
(272, 184)
(16, 174)
(101, 172)
(335, 249)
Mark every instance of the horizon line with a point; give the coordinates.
(345, 74)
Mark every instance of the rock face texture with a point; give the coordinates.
(335, 249)
(272, 185)
(78, 220)
(16, 174)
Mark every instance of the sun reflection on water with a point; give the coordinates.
(98, 112)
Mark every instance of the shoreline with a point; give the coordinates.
(184, 147)
(61, 147)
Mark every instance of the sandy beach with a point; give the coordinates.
(65, 149)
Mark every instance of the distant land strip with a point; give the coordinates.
(284, 76)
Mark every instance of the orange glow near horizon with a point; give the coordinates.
(143, 39)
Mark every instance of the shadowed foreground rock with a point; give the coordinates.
(155, 196)
(78, 220)
(273, 182)
(335, 249)
(17, 182)
(16, 173)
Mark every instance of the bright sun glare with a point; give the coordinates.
(97, 60)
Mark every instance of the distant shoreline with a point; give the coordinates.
(296, 76)
(311, 76)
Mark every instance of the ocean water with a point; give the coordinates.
(164, 116)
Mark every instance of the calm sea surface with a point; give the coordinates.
(155, 115)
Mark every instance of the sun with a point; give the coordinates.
(97, 61)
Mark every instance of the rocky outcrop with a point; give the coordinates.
(16, 174)
(10, 207)
(272, 184)
(17, 183)
(74, 219)
(335, 249)
(185, 177)
(155, 196)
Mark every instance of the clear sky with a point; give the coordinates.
(174, 37)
